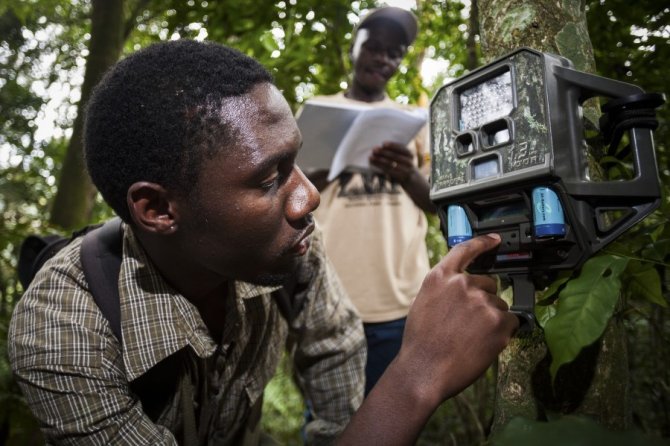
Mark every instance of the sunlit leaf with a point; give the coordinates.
(584, 308)
(545, 309)
(543, 313)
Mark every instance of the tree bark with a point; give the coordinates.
(596, 383)
(549, 26)
(473, 57)
(74, 200)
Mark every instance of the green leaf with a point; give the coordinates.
(584, 307)
(657, 251)
(543, 313)
(643, 282)
(269, 42)
(507, 294)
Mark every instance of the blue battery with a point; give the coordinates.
(458, 225)
(548, 216)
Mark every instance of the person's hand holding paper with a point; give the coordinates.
(394, 159)
(336, 136)
(371, 129)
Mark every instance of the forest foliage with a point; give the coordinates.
(43, 54)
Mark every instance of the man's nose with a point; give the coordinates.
(304, 198)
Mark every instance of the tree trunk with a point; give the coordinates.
(545, 25)
(473, 57)
(74, 200)
(596, 383)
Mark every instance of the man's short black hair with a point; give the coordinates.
(155, 116)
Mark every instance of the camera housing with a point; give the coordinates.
(509, 155)
(514, 125)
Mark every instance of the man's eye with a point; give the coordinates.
(279, 178)
(271, 183)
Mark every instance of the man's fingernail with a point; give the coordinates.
(494, 236)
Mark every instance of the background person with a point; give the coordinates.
(373, 223)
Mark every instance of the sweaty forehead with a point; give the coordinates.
(260, 120)
(264, 104)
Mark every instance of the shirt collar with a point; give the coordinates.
(246, 290)
(157, 321)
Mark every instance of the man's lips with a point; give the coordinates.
(302, 245)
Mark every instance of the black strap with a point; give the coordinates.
(101, 252)
(35, 251)
(285, 298)
(621, 114)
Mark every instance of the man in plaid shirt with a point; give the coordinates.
(194, 148)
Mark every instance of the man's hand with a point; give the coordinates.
(395, 160)
(455, 329)
(457, 325)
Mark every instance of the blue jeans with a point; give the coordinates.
(384, 339)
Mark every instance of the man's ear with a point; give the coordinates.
(152, 208)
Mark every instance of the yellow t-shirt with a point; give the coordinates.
(375, 236)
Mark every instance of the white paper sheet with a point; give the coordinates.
(337, 136)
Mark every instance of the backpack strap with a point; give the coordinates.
(35, 251)
(101, 252)
(101, 256)
(284, 298)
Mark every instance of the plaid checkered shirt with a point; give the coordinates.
(79, 380)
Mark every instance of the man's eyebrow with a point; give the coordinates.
(268, 163)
